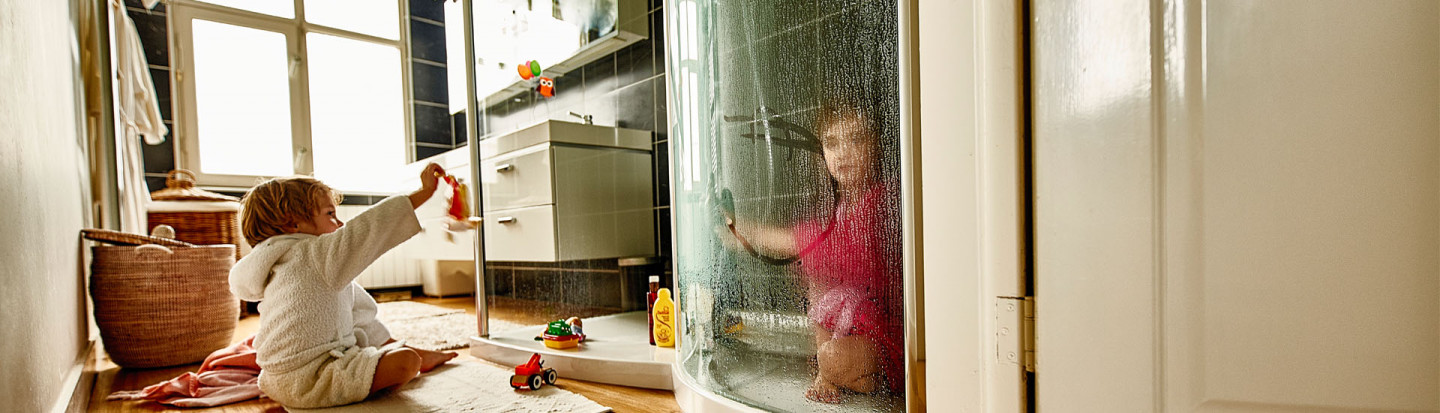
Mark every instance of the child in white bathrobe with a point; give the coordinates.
(319, 343)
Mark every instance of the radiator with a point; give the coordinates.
(397, 268)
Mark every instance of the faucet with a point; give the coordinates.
(587, 118)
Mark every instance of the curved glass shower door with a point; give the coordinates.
(785, 146)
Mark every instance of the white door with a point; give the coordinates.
(1237, 205)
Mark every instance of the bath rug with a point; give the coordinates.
(432, 327)
(469, 386)
(403, 310)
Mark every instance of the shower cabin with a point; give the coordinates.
(786, 136)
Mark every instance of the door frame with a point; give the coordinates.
(969, 135)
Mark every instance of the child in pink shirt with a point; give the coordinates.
(851, 261)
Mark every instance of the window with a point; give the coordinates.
(282, 87)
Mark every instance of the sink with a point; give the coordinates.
(556, 131)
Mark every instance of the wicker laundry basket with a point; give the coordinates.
(160, 305)
(198, 216)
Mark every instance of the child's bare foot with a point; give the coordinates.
(429, 360)
(824, 392)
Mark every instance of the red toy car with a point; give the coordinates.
(533, 375)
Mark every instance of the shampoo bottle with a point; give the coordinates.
(664, 314)
(650, 307)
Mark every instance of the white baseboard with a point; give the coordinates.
(79, 383)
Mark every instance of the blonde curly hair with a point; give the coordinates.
(272, 205)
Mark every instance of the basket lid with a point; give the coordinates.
(125, 238)
(180, 186)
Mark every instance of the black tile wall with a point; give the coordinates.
(635, 63)
(429, 82)
(457, 128)
(151, 27)
(159, 159)
(600, 77)
(657, 39)
(428, 9)
(432, 124)
(499, 281)
(159, 7)
(636, 106)
(153, 34)
(422, 152)
(662, 123)
(661, 161)
(154, 182)
(427, 41)
(161, 79)
(663, 231)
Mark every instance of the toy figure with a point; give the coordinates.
(459, 207)
(576, 326)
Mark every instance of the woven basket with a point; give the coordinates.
(162, 306)
(213, 220)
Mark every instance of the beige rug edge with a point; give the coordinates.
(470, 386)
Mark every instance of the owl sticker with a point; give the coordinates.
(547, 87)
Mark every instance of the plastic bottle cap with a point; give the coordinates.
(654, 278)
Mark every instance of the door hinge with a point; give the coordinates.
(1015, 331)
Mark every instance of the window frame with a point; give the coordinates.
(186, 129)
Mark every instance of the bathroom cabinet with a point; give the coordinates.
(560, 191)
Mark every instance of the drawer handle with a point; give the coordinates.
(504, 168)
(505, 220)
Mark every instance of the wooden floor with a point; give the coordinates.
(110, 378)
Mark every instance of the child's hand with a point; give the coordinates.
(726, 237)
(429, 179)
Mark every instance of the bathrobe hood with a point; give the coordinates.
(250, 275)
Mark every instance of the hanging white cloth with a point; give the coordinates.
(138, 110)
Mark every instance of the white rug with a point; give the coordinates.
(470, 386)
(433, 327)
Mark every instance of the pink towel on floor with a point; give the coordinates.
(227, 376)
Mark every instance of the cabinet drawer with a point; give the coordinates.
(518, 179)
(521, 234)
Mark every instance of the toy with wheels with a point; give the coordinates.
(533, 375)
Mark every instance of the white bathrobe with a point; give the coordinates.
(318, 337)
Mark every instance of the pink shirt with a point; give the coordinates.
(855, 273)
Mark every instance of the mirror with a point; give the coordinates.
(559, 35)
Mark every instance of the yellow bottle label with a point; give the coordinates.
(664, 314)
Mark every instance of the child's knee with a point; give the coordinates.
(850, 355)
(395, 369)
(402, 363)
(406, 360)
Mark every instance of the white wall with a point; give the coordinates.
(42, 194)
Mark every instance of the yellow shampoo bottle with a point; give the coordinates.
(664, 313)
